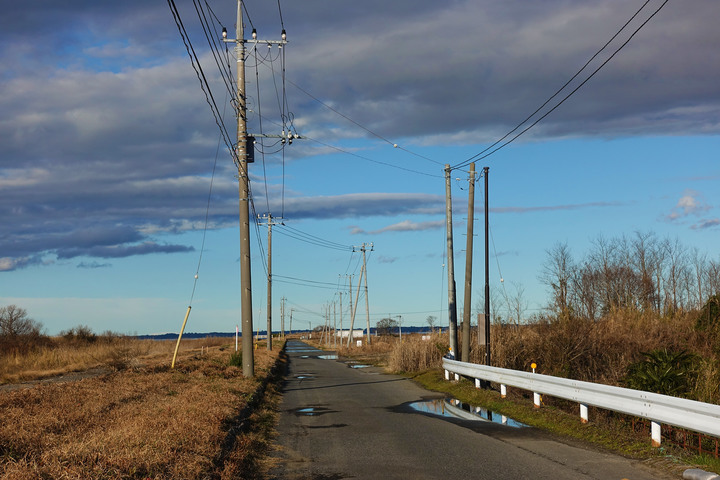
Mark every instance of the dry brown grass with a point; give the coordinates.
(595, 351)
(416, 355)
(59, 356)
(143, 422)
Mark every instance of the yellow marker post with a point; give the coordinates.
(177, 345)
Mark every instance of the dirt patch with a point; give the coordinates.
(65, 378)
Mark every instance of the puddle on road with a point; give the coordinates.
(358, 366)
(311, 411)
(453, 408)
(328, 357)
(304, 377)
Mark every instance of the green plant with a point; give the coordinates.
(663, 371)
(236, 359)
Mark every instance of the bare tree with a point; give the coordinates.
(516, 304)
(676, 265)
(557, 272)
(700, 266)
(14, 322)
(713, 278)
(431, 319)
(585, 292)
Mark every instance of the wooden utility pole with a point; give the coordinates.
(452, 302)
(465, 355)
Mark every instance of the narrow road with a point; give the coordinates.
(340, 422)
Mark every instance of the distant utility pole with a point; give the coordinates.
(363, 248)
(367, 301)
(270, 220)
(282, 317)
(357, 297)
(341, 315)
(452, 302)
(244, 189)
(465, 355)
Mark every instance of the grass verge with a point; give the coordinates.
(201, 420)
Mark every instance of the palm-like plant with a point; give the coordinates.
(662, 371)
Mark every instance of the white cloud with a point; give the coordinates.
(691, 203)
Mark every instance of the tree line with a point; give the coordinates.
(641, 272)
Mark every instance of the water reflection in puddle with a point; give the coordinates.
(453, 408)
(311, 411)
(328, 357)
(359, 366)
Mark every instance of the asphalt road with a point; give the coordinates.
(341, 422)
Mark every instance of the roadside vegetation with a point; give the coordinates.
(639, 312)
(135, 417)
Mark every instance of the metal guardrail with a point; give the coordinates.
(659, 409)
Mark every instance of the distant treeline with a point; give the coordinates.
(169, 336)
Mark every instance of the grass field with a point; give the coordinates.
(202, 419)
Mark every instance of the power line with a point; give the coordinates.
(481, 155)
(370, 159)
(204, 86)
(374, 134)
(311, 239)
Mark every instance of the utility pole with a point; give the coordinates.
(341, 312)
(465, 355)
(452, 302)
(363, 248)
(357, 297)
(399, 317)
(487, 271)
(242, 158)
(282, 317)
(270, 223)
(367, 301)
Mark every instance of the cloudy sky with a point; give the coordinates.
(108, 148)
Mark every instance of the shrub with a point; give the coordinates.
(236, 359)
(663, 371)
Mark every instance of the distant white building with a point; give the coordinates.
(345, 333)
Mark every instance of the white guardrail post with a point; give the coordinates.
(659, 409)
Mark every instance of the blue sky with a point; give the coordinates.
(107, 148)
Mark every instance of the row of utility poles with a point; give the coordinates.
(452, 300)
(243, 156)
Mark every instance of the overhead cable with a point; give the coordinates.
(481, 155)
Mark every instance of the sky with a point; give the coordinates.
(116, 188)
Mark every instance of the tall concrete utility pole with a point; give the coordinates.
(465, 355)
(452, 301)
(244, 190)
